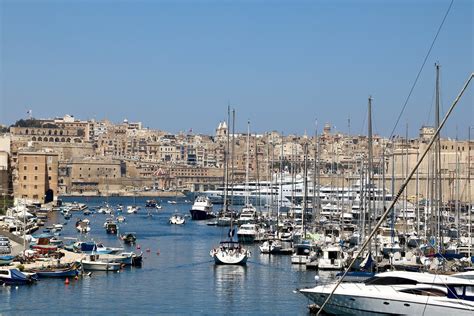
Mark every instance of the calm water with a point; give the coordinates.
(177, 277)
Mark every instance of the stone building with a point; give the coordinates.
(37, 176)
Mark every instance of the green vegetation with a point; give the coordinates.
(27, 123)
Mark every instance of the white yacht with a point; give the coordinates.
(400, 292)
(332, 258)
(202, 208)
(247, 233)
(248, 215)
(303, 253)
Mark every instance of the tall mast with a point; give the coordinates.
(405, 219)
(305, 183)
(258, 177)
(314, 171)
(370, 165)
(318, 177)
(458, 184)
(469, 190)
(232, 159)
(280, 195)
(226, 160)
(247, 166)
(417, 196)
(438, 162)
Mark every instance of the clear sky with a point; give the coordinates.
(175, 65)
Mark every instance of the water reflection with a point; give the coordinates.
(230, 283)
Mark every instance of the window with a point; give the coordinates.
(469, 291)
(49, 168)
(389, 281)
(24, 177)
(49, 178)
(35, 196)
(36, 187)
(24, 186)
(24, 168)
(36, 177)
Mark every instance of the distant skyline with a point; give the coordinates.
(176, 65)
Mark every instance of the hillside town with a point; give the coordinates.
(41, 159)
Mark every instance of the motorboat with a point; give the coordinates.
(177, 219)
(400, 292)
(6, 260)
(129, 238)
(230, 252)
(303, 253)
(14, 276)
(111, 227)
(202, 208)
(271, 247)
(132, 209)
(248, 215)
(82, 226)
(94, 263)
(332, 259)
(247, 233)
(150, 203)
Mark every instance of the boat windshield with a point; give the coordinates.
(389, 281)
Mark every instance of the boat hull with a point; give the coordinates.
(199, 215)
(100, 266)
(356, 305)
(246, 238)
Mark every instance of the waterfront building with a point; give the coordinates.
(37, 178)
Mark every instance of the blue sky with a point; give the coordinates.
(175, 65)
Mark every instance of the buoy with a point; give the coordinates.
(138, 246)
(148, 250)
(67, 281)
(158, 252)
(76, 278)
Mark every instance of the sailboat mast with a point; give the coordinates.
(469, 210)
(305, 183)
(226, 160)
(438, 161)
(247, 166)
(417, 197)
(370, 166)
(232, 159)
(258, 177)
(314, 172)
(280, 195)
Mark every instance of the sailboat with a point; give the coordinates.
(229, 252)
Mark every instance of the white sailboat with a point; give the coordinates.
(230, 252)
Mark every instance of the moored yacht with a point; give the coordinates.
(202, 208)
(400, 292)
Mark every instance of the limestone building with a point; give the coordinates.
(37, 176)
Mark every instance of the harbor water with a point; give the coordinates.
(177, 277)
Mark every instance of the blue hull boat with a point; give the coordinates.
(16, 277)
